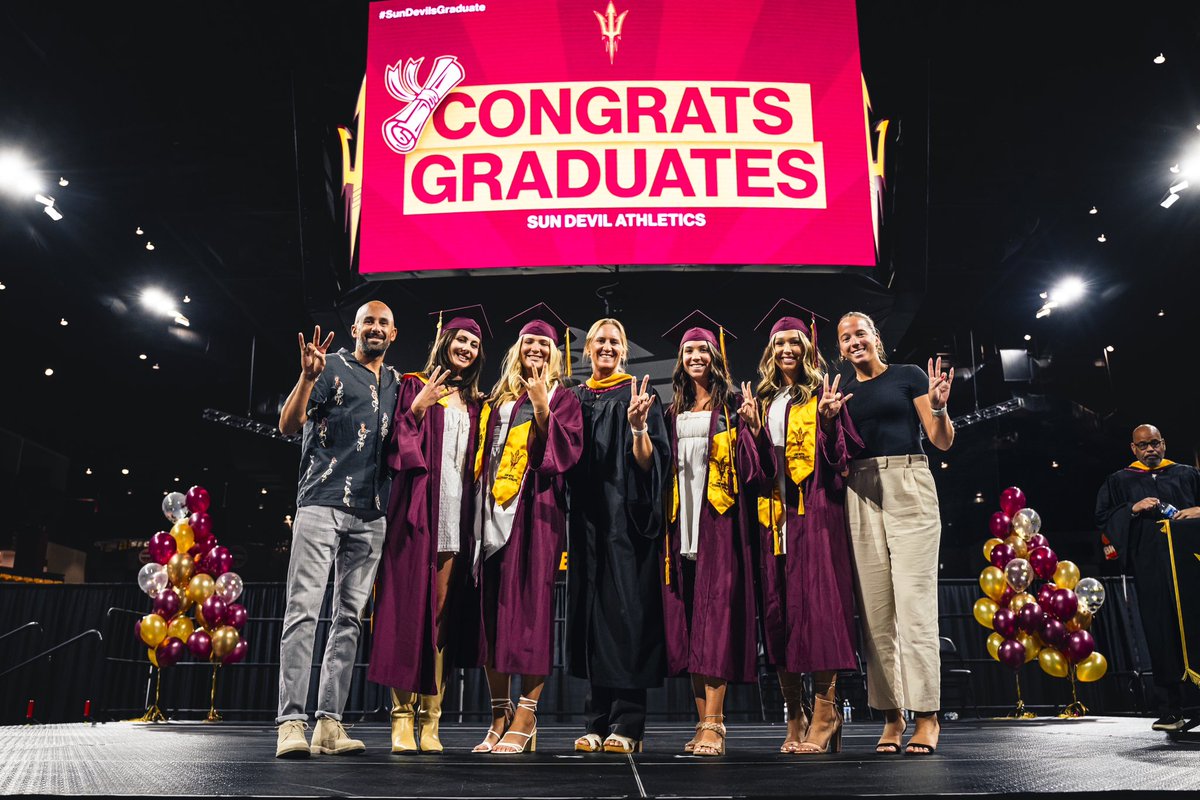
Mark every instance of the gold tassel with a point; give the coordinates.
(439, 326)
(568, 352)
(667, 564)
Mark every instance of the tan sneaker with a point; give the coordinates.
(330, 738)
(292, 743)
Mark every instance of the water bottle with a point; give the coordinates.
(847, 711)
(1167, 510)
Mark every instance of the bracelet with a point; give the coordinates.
(640, 431)
(938, 412)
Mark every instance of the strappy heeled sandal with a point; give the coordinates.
(530, 743)
(589, 743)
(890, 748)
(487, 745)
(616, 743)
(834, 743)
(793, 695)
(708, 748)
(927, 749)
(690, 746)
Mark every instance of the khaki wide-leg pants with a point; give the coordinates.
(895, 529)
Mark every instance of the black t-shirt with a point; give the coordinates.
(883, 411)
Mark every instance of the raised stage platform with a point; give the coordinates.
(1098, 754)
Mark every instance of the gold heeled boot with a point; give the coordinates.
(403, 735)
(429, 716)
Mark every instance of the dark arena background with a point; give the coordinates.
(184, 187)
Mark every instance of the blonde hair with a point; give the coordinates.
(879, 351)
(511, 384)
(595, 329)
(772, 382)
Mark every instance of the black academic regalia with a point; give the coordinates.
(614, 614)
(1142, 549)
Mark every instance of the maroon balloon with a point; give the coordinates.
(1000, 525)
(169, 651)
(1044, 594)
(1002, 554)
(200, 643)
(1004, 622)
(197, 499)
(1054, 632)
(1064, 604)
(1044, 562)
(162, 546)
(201, 548)
(1012, 653)
(1006, 597)
(1080, 645)
(1037, 540)
(1012, 500)
(1031, 617)
(235, 615)
(238, 653)
(214, 609)
(201, 524)
(167, 603)
(137, 631)
(218, 561)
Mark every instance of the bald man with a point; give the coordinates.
(1129, 507)
(343, 402)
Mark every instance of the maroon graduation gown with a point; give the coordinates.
(808, 595)
(721, 640)
(402, 651)
(522, 641)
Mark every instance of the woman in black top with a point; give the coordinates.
(895, 529)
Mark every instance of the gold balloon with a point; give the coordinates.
(1082, 621)
(1066, 576)
(185, 602)
(1018, 602)
(153, 656)
(987, 547)
(993, 583)
(985, 609)
(153, 630)
(200, 621)
(180, 569)
(201, 587)
(1031, 646)
(185, 537)
(1052, 662)
(181, 628)
(1091, 668)
(224, 639)
(994, 641)
(1018, 545)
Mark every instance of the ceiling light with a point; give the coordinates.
(49, 372)
(1169, 200)
(139, 230)
(63, 322)
(945, 465)
(1028, 337)
(1053, 465)
(1162, 313)
(142, 356)
(264, 491)
(125, 471)
(1068, 290)
(53, 213)
(155, 366)
(1179, 187)
(149, 245)
(180, 319)
(63, 182)
(1102, 238)
(1160, 59)
(1110, 348)
(1094, 210)
(44, 200)
(1175, 169)
(1044, 295)
(17, 175)
(158, 301)
(87, 471)
(177, 479)
(187, 299)
(2, 287)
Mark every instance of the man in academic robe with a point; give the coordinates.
(1129, 507)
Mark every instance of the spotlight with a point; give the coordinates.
(1028, 337)
(17, 175)
(158, 301)
(125, 471)
(1160, 59)
(142, 356)
(1068, 291)
(53, 213)
(49, 372)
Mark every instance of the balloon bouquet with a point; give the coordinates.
(189, 571)
(1049, 626)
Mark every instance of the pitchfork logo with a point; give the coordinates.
(402, 131)
(610, 28)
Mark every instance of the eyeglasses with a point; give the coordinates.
(1155, 443)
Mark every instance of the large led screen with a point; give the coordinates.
(581, 132)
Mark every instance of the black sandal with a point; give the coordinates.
(891, 748)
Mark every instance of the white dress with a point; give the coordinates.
(691, 465)
(456, 431)
(777, 428)
(494, 522)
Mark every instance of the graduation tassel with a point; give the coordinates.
(816, 354)
(568, 353)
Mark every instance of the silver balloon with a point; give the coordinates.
(1019, 574)
(174, 507)
(1026, 523)
(152, 579)
(1090, 593)
(229, 586)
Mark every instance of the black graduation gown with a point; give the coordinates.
(1142, 549)
(616, 636)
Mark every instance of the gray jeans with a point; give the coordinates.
(322, 537)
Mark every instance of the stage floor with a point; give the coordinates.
(976, 757)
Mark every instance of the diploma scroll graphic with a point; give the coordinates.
(402, 130)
